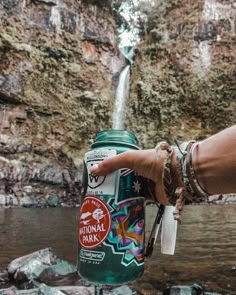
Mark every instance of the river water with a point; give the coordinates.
(205, 251)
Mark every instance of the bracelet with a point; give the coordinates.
(198, 192)
(173, 186)
(178, 178)
(166, 179)
(184, 154)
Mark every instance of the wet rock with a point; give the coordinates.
(49, 174)
(28, 202)
(52, 201)
(9, 291)
(222, 199)
(184, 290)
(8, 201)
(42, 273)
(128, 53)
(26, 179)
(73, 290)
(229, 199)
(4, 278)
(18, 170)
(78, 290)
(28, 190)
(47, 290)
(215, 198)
(187, 290)
(119, 291)
(37, 264)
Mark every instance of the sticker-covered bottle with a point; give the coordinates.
(112, 221)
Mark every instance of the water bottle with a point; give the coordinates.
(112, 216)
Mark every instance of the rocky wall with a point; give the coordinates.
(59, 64)
(184, 78)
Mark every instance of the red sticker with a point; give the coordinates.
(95, 222)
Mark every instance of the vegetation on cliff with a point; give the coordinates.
(59, 62)
(183, 81)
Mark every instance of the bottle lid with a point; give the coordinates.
(118, 136)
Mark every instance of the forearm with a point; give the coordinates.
(214, 162)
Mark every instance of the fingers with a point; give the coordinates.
(124, 160)
(142, 161)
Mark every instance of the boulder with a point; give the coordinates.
(37, 265)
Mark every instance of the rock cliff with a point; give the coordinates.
(59, 64)
(184, 78)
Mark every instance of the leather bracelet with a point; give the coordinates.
(173, 186)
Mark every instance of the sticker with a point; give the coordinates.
(100, 185)
(92, 255)
(95, 222)
(127, 234)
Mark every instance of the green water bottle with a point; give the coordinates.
(111, 223)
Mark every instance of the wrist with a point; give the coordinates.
(177, 181)
(198, 168)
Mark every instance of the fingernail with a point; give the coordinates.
(94, 168)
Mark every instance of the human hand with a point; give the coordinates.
(146, 163)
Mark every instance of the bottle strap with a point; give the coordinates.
(154, 232)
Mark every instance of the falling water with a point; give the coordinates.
(120, 99)
(129, 36)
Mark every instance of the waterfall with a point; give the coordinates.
(122, 93)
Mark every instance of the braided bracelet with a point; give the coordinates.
(174, 188)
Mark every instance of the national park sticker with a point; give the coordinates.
(95, 222)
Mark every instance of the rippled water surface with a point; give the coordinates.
(205, 253)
